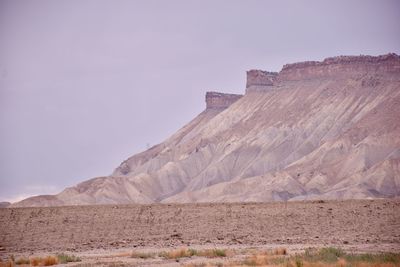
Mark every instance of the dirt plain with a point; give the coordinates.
(87, 231)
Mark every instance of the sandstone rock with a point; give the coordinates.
(220, 100)
(259, 80)
(340, 67)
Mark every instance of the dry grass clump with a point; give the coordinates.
(262, 258)
(212, 253)
(50, 260)
(187, 253)
(35, 261)
(22, 261)
(280, 251)
(178, 253)
(40, 261)
(44, 261)
(65, 258)
(256, 260)
(8, 263)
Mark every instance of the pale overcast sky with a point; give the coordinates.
(86, 84)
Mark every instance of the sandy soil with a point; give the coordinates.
(92, 231)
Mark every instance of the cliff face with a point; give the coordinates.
(340, 67)
(259, 80)
(315, 130)
(220, 100)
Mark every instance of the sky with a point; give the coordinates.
(85, 84)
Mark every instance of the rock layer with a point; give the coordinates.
(316, 130)
(259, 80)
(220, 100)
(340, 67)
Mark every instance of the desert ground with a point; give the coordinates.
(101, 235)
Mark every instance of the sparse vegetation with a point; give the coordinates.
(327, 255)
(44, 261)
(299, 262)
(22, 260)
(280, 251)
(212, 253)
(65, 258)
(179, 253)
(187, 253)
(8, 263)
(40, 261)
(385, 258)
(324, 257)
(50, 260)
(35, 261)
(313, 258)
(337, 257)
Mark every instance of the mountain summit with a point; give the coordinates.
(315, 130)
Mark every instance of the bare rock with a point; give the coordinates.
(220, 100)
(259, 80)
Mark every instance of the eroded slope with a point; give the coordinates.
(327, 129)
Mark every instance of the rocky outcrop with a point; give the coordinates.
(361, 67)
(215, 100)
(259, 80)
(341, 67)
(318, 130)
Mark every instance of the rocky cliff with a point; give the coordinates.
(220, 100)
(315, 130)
(259, 80)
(341, 67)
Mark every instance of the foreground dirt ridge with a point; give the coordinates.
(315, 130)
(355, 223)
